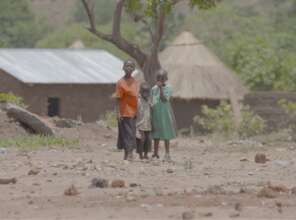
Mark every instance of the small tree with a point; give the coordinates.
(152, 14)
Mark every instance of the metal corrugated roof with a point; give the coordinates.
(54, 66)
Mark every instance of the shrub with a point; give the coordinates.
(220, 120)
(110, 119)
(290, 110)
(251, 124)
(11, 98)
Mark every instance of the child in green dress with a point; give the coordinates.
(163, 119)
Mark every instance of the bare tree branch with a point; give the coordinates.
(116, 33)
(89, 8)
(133, 50)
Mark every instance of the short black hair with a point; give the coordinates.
(162, 74)
(144, 87)
(127, 62)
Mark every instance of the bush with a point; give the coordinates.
(110, 119)
(220, 120)
(251, 124)
(11, 98)
(290, 110)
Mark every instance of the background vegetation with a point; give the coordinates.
(255, 38)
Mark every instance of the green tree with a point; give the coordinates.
(256, 39)
(103, 10)
(18, 26)
(66, 37)
(152, 14)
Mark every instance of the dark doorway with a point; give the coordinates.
(53, 106)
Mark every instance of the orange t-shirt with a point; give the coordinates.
(127, 93)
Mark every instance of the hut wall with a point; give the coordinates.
(186, 110)
(89, 102)
(9, 84)
(266, 105)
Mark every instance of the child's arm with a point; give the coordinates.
(163, 98)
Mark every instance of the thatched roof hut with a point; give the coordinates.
(198, 78)
(196, 73)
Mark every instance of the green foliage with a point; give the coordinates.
(110, 119)
(288, 107)
(18, 26)
(11, 98)
(290, 110)
(32, 142)
(256, 39)
(221, 121)
(66, 37)
(251, 124)
(103, 11)
(149, 6)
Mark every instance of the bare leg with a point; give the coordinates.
(156, 147)
(167, 147)
(167, 151)
(142, 142)
(125, 154)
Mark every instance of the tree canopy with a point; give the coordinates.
(18, 26)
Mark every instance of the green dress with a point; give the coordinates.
(163, 119)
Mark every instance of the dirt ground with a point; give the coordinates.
(208, 179)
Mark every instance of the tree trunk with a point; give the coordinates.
(150, 68)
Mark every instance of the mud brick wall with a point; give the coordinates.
(266, 105)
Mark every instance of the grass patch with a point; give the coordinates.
(11, 98)
(33, 142)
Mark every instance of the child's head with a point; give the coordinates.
(162, 76)
(129, 67)
(145, 90)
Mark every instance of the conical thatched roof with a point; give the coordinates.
(78, 44)
(196, 73)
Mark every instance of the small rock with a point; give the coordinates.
(71, 191)
(55, 174)
(278, 188)
(293, 191)
(30, 202)
(234, 215)
(8, 181)
(189, 215)
(260, 158)
(243, 190)
(118, 184)
(34, 171)
(3, 151)
(279, 206)
(134, 185)
(130, 198)
(99, 183)
(238, 206)
(205, 214)
(266, 192)
(170, 170)
(215, 190)
(244, 159)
